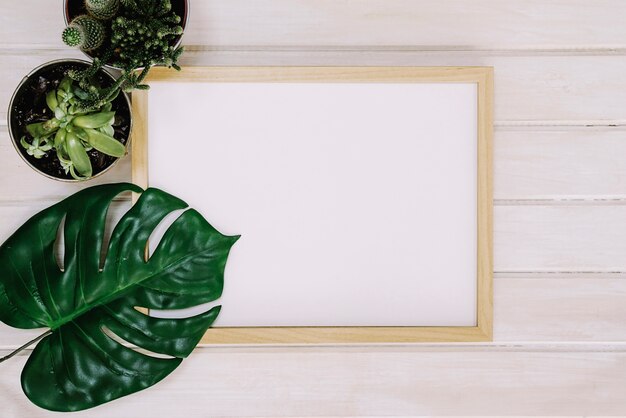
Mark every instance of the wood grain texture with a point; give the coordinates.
(529, 90)
(576, 308)
(368, 381)
(375, 23)
(528, 309)
(139, 150)
(484, 221)
(403, 23)
(585, 163)
(346, 335)
(330, 74)
(559, 336)
(481, 76)
(20, 183)
(529, 164)
(527, 238)
(566, 237)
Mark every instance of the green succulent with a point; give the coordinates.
(85, 32)
(145, 41)
(102, 9)
(38, 148)
(148, 7)
(140, 36)
(71, 132)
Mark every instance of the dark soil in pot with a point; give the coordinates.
(28, 105)
(73, 8)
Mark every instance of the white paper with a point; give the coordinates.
(356, 202)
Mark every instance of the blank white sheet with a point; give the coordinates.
(356, 202)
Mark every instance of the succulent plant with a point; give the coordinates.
(38, 148)
(71, 133)
(140, 36)
(148, 7)
(102, 9)
(85, 32)
(145, 41)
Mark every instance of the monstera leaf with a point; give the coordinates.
(81, 364)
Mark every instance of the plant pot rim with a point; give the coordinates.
(15, 142)
(176, 45)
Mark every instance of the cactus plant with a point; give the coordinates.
(102, 9)
(85, 32)
(148, 7)
(141, 35)
(71, 133)
(144, 42)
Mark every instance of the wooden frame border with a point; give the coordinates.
(482, 76)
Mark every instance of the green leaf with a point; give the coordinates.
(78, 154)
(38, 148)
(79, 365)
(105, 144)
(59, 137)
(59, 113)
(51, 100)
(51, 125)
(108, 130)
(41, 129)
(94, 120)
(65, 85)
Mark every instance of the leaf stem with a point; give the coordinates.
(25, 346)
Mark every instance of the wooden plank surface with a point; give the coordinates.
(380, 23)
(585, 163)
(527, 238)
(20, 183)
(529, 164)
(369, 381)
(528, 89)
(531, 308)
(560, 217)
(570, 307)
(536, 308)
(569, 237)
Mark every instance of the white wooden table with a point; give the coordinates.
(560, 209)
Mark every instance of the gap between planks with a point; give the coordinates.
(521, 51)
(532, 125)
(547, 275)
(564, 201)
(560, 201)
(508, 347)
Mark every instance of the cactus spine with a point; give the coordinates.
(148, 7)
(141, 34)
(85, 32)
(102, 9)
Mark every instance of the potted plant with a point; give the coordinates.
(106, 10)
(58, 132)
(129, 35)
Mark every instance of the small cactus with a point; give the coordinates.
(142, 34)
(72, 36)
(151, 8)
(84, 32)
(102, 9)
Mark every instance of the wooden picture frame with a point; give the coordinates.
(482, 76)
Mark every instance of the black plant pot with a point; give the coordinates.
(73, 8)
(28, 105)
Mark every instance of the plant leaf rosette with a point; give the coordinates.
(58, 138)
